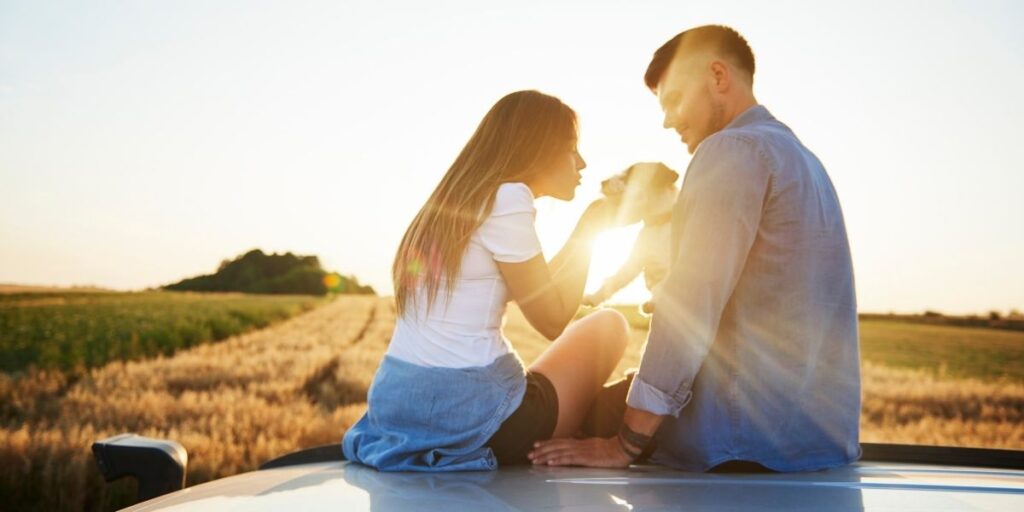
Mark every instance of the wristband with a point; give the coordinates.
(633, 455)
(635, 439)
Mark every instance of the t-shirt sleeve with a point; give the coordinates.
(509, 232)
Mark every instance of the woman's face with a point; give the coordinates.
(561, 177)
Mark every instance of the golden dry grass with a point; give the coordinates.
(301, 383)
(899, 405)
(920, 407)
(233, 405)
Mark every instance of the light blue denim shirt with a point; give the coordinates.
(423, 418)
(753, 348)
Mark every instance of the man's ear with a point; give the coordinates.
(722, 75)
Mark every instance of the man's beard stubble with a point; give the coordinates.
(716, 119)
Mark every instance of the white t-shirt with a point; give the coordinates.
(466, 330)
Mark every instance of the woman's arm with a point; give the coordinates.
(549, 293)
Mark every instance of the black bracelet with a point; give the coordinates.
(633, 455)
(636, 439)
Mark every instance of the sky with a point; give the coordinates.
(143, 142)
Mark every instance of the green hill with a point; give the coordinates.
(257, 272)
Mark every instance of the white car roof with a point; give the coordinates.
(864, 486)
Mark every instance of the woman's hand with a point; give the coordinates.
(594, 452)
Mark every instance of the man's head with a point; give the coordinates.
(703, 78)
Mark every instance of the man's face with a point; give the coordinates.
(690, 106)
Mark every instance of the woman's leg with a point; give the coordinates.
(579, 362)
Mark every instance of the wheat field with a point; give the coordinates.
(240, 402)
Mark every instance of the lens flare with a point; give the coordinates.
(332, 281)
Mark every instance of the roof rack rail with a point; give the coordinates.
(948, 455)
(876, 452)
(323, 453)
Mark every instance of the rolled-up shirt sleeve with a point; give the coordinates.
(715, 222)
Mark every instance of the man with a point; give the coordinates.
(752, 360)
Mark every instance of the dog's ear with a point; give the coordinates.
(664, 176)
(626, 174)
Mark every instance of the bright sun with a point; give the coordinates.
(611, 250)
(555, 220)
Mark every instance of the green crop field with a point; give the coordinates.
(68, 330)
(977, 352)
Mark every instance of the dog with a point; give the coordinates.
(646, 192)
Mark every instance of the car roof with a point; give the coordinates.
(863, 486)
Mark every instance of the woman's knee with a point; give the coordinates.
(612, 328)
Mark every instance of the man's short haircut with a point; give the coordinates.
(725, 41)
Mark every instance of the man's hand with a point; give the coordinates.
(594, 452)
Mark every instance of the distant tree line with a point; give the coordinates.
(1013, 321)
(257, 272)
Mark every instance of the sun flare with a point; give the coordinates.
(611, 250)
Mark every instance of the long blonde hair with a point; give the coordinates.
(521, 133)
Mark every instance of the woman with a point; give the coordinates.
(450, 393)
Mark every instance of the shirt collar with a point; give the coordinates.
(751, 115)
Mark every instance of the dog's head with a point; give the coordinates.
(642, 190)
(642, 176)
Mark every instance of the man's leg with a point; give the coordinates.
(604, 417)
(605, 414)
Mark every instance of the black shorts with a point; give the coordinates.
(534, 420)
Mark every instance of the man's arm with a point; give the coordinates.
(718, 213)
